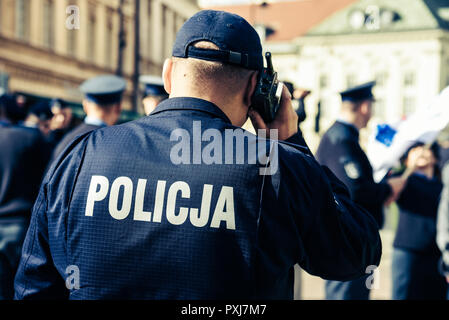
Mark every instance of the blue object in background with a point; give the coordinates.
(385, 134)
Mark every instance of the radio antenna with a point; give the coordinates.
(270, 68)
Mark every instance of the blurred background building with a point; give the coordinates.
(43, 57)
(329, 45)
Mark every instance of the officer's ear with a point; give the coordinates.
(365, 107)
(250, 88)
(86, 106)
(167, 74)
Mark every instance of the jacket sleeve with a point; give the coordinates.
(37, 278)
(38, 275)
(443, 223)
(337, 239)
(352, 169)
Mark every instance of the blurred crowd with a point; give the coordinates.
(32, 135)
(53, 118)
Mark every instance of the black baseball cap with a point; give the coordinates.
(237, 40)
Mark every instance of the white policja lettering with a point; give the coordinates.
(223, 213)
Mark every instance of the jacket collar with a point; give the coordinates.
(94, 121)
(194, 104)
(350, 128)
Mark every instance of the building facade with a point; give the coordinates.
(402, 44)
(280, 24)
(49, 47)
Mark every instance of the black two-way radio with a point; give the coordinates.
(267, 95)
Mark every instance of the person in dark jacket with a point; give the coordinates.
(340, 150)
(130, 212)
(24, 154)
(8, 109)
(416, 255)
(102, 104)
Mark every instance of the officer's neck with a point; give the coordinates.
(352, 119)
(102, 114)
(236, 112)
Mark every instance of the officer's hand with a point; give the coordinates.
(286, 120)
(397, 184)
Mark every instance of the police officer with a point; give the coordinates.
(164, 208)
(23, 157)
(154, 93)
(102, 104)
(339, 150)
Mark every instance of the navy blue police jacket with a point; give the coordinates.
(119, 213)
(340, 151)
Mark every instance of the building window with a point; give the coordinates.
(109, 34)
(409, 79)
(22, 19)
(380, 109)
(91, 35)
(48, 24)
(447, 72)
(149, 28)
(126, 46)
(351, 80)
(175, 23)
(323, 81)
(72, 37)
(325, 108)
(164, 29)
(409, 106)
(381, 79)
